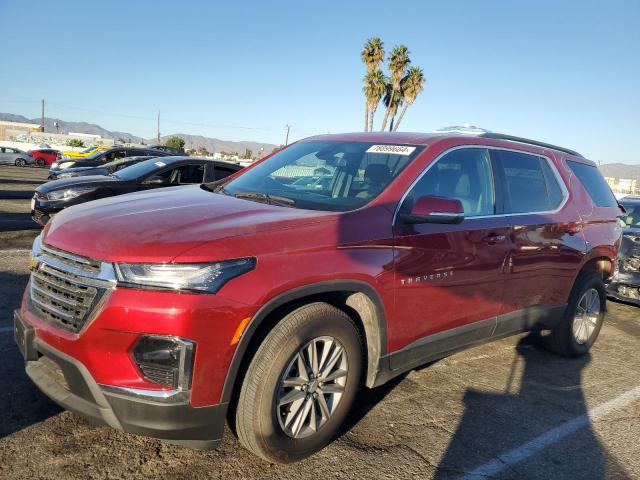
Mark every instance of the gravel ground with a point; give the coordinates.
(16, 189)
(437, 422)
(442, 421)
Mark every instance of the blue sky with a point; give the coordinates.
(562, 72)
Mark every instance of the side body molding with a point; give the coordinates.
(361, 297)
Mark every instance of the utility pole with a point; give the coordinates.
(286, 142)
(158, 127)
(42, 117)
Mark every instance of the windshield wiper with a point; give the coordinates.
(266, 198)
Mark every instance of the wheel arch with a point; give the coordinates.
(357, 298)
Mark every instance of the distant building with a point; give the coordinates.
(623, 185)
(10, 130)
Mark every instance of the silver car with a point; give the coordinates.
(15, 156)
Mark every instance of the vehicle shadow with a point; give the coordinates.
(494, 424)
(21, 403)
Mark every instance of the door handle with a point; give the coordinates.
(494, 238)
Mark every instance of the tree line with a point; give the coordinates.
(399, 88)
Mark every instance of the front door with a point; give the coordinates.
(450, 278)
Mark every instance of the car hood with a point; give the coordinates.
(158, 225)
(72, 182)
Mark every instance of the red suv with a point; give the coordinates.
(269, 301)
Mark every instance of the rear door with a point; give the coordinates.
(450, 278)
(546, 246)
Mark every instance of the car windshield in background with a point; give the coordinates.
(323, 175)
(632, 219)
(88, 149)
(140, 169)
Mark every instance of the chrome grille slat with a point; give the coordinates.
(66, 288)
(71, 259)
(51, 309)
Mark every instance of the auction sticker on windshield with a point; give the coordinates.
(393, 149)
(160, 164)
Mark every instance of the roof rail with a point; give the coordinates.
(502, 136)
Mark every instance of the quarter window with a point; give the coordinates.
(529, 183)
(463, 174)
(595, 185)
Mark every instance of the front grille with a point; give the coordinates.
(65, 289)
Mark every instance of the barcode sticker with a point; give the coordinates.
(391, 149)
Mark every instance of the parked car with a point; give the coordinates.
(162, 313)
(69, 154)
(15, 156)
(51, 197)
(169, 150)
(44, 156)
(106, 169)
(625, 284)
(101, 157)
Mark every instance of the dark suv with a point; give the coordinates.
(251, 299)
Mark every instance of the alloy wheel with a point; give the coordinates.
(586, 316)
(311, 387)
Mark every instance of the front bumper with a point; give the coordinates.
(625, 287)
(67, 382)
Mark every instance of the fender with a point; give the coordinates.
(377, 349)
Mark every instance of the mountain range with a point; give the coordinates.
(616, 170)
(191, 141)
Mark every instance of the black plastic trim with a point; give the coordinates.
(442, 344)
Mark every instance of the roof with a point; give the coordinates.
(429, 138)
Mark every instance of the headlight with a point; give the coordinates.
(55, 164)
(194, 277)
(69, 193)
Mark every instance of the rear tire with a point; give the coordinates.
(40, 162)
(582, 320)
(272, 425)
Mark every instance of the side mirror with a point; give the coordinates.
(156, 181)
(431, 209)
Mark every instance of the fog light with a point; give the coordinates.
(165, 360)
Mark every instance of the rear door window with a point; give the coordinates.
(594, 183)
(529, 185)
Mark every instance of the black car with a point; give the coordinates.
(101, 157)
(106, 169)
(625, 284)
(51, 197)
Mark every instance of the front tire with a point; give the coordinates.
(300, 384)
(20, 162)
(582, 320)
(40, 162)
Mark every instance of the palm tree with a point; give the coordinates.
(392, 100)
(374, 87)
(398, 61)
(411, 86)
(372, 56)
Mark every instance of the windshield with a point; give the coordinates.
(89, 149)
(140, 169)
(633, 214)
(323, 175)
